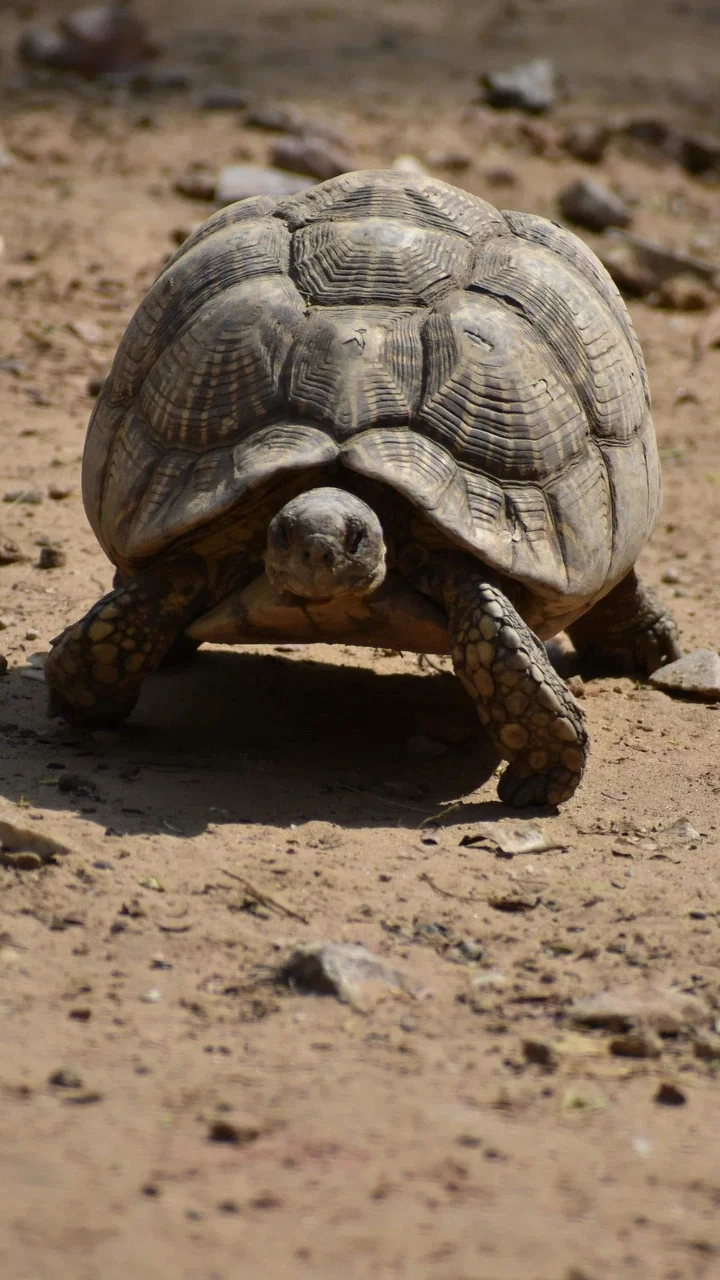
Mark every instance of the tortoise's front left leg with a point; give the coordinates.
(95, 669)
(533, 719)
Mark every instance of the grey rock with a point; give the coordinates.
(696, 675)
(241, 180)
(224, 97)
(32, 497)
(10, 552)
(274, 118)
(529, 86)
(340, 969)
(588, 204)
(312, 155)
(625, 1007)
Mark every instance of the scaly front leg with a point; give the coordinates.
(532, 717)
(95, 669)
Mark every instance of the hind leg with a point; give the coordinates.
(95, 669)
(628, 630)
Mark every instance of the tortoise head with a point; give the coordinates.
(325, 543)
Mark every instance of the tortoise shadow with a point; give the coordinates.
(238, 736)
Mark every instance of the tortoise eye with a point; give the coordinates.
(283, 534)
(355, 538)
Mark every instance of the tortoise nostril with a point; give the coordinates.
(329, 559)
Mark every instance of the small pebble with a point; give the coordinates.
(58, 492)
(51, 558)
(238, 181)
(10, 552)
(32, 634)
(526, 87)
(196, 186)
(153, 996)
(706, 1046)
(64, 1078)
(500, 175)
(696, 674)
(236, 1134)
(539, 1052)
(587, 203)
(636, 1044)
(315, 156)
(30, 497)
(671, 576)
(587, 140)
(684, 292)
(670, 1095)
(274, 118)
(224, 97)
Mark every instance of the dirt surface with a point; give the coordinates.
(207, 1122)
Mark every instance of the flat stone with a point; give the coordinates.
(224, 97)
(241, 180)
(342, 970)
(317, 157)
(696, 675)
(666, 1010)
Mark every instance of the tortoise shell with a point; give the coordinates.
(480, 363)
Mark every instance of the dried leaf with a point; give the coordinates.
(511, 838)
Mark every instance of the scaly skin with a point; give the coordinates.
(628, 630)
(531, 716)
(96, 668)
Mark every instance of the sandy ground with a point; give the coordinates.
(415, 1136)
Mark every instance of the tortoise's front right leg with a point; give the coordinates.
(530, 714)
(95, 669)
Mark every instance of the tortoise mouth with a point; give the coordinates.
(325, 543)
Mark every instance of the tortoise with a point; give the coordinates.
(385, 413)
